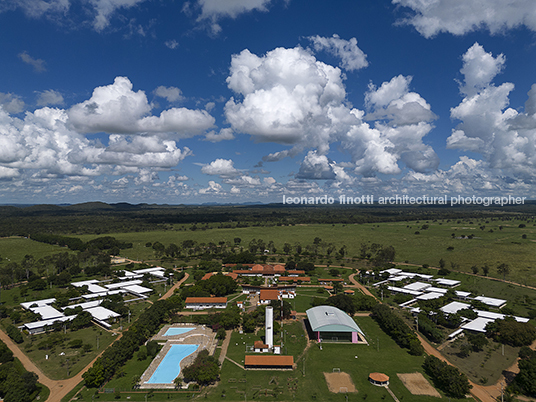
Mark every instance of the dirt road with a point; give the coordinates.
(484, 394)
(58, 388)
(362, 288)
(176, 286)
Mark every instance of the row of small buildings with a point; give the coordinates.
(96, 291)
(426, 287)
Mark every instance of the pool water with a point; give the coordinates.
(177, 331)
(169, 368)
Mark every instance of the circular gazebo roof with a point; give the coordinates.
(378, 378)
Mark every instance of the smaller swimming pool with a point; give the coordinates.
(177, 331)
(169, 368)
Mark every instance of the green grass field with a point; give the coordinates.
(484, 367)
(489, 245)
(428, 247)
(58, 366)
(305, 383)
(13, 249)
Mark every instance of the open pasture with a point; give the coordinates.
(464, 243)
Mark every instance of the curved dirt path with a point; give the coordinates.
(484, 394)
(358, 285)
(58, 388)
(169, 293)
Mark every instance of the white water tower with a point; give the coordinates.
(269, 337)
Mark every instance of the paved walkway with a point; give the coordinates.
(225, 346)
(392, 393)
(232, 361)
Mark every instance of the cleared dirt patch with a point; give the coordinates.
(340, 382)
(418, 385)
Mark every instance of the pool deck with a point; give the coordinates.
(200, 335)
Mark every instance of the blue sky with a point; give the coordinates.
(249, 100)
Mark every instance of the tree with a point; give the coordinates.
(477, 341)
(485, 269)
(503, 269)
(135, 381)
(152, 348)
(172, 250)
(287, 248)
(342, 302)
(14, 333)
(221, 334)
(82, 320)
(474, 268)
(525, 381)
(511, 332)
(142, 353)
(446, 377)
(204, 370)
(177, 382)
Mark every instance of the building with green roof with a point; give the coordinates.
(330, 324)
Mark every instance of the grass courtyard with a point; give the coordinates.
(305, 383)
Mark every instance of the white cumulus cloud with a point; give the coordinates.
(225, 134)
(220, 167)
(213, 188)
(117, 109)
(171, 94)
(49, 97)
(289, 97)
(11, 103)
(503, 136)
(352, 57)
(214, 10)
(459, 17)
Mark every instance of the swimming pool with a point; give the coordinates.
(177, 331)
(169, 368)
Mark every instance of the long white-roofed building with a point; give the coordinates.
(330, 324)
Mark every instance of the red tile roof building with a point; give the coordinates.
(201, 303)
(294, 279)
(268, 362)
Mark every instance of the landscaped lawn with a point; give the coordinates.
(483, 367)
(307, 382)
(63, 361)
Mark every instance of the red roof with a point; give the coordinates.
(241, 271)
(268, 360)
(279, 268)
(331, 280)
(294, 278)
(296, 272)
(269, 294)
(378, 377)
(257, 268)
(210, 274)
(206, 300)
(260, 345)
